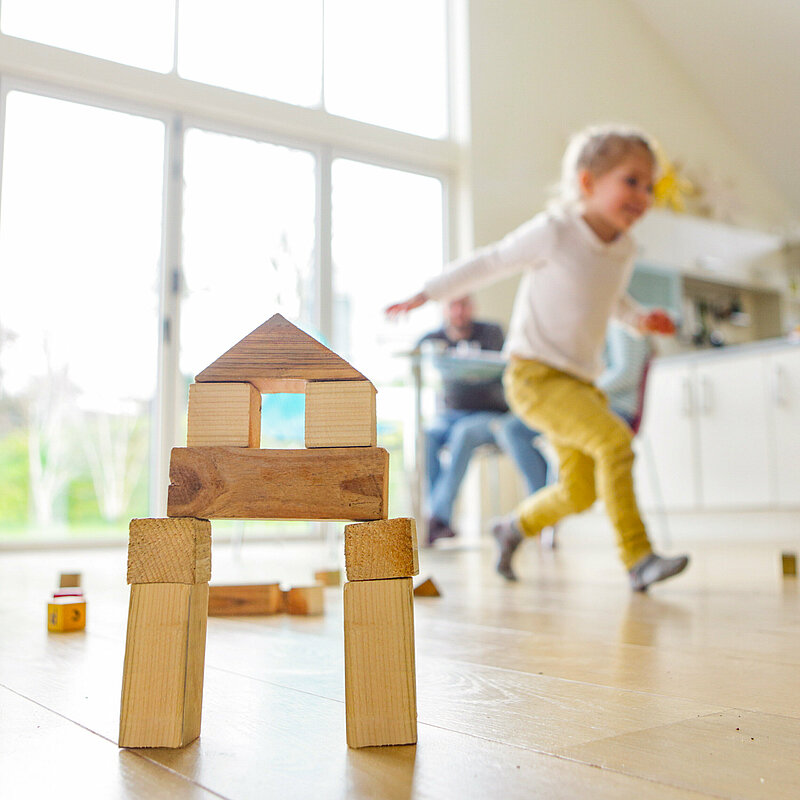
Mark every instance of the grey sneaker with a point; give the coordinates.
(508, 535)
(654, 568)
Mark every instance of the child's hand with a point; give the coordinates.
(396, 309)
(657, 321)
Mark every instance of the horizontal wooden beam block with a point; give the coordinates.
(241, 483)
(227, 414)
(340, 414)
(244, 600)
(380, 678)
(162, 683)
(305, 600)
(385, 548)
(174, 550)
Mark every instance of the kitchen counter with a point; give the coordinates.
(732, 350)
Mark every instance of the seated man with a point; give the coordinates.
(471, 414)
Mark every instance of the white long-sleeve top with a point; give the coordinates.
(572, 283)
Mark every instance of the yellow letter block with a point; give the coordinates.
(66, 614)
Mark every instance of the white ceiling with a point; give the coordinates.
(744, 55)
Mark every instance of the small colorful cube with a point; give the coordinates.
(67, 613)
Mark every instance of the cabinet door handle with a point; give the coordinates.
(687, 400)
(705, 395)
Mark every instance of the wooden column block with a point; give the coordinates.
(384, 548)
(69, 580)
(226, 601)
(789, 563)
(305, 600)
(174, 550)
(340, 414)
(241, 483)
(225, 414)
(162, 683)
(380, 679)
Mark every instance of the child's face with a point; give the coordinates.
(616, 199)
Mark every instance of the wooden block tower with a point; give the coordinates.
(224, 474)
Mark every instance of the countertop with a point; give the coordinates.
(730, 351)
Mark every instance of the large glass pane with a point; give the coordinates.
(268, 48)
(139, 33)
(386, 63)
(249, 244)
(387, 241)
(80, 234)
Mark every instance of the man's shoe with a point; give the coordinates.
(508, 536)
(439, 530)
(654, 568)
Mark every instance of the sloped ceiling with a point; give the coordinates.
(744, 55)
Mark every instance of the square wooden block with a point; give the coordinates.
(305, 600)
(224, 414)
(382, 548)
(171, 550)
(340, 414)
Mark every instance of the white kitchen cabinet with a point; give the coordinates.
(783, 391)
(724, 431)
(732, 434)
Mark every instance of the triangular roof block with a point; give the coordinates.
(278, 350)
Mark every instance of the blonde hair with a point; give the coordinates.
(598, 149)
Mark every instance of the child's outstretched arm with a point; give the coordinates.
(397, 309)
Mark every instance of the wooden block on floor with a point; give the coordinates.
(173, 550)
(240, 483)
(328, 577)
(380, 679)
(69, 580)
(385, 548)
(427, 589)
(226, 414)
(789, 564)
(227, 601)
(66, 614)
(162, 683)
(305, 600)
(278, 350)
(340, 414)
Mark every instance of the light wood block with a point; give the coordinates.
(228, 601)
(278, 349)
(173, 550)
(240, 483)
(305, 600)
(340, 414)
(427, 589)
(162, 683)
(385, 548)
(328, 577)
(66, 614)
(789, 564)
(227, 414)
(380, 679)
(69, 580)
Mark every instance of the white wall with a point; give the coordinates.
(541, 69)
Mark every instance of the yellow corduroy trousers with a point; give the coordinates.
(594, 453)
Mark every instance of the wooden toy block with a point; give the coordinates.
(69, 579)
(66, 614)
(278, 349)
(162, 682)
(226, 414)
(340, 414)
(385, 548)
(427, 589)
(380, 682)
(173, 550)
(789, 564)
(307, 600)
(241, 483)
(328, 577)
(245, 600)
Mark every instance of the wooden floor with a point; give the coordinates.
(565, 685)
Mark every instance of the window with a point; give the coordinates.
(80, 238)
